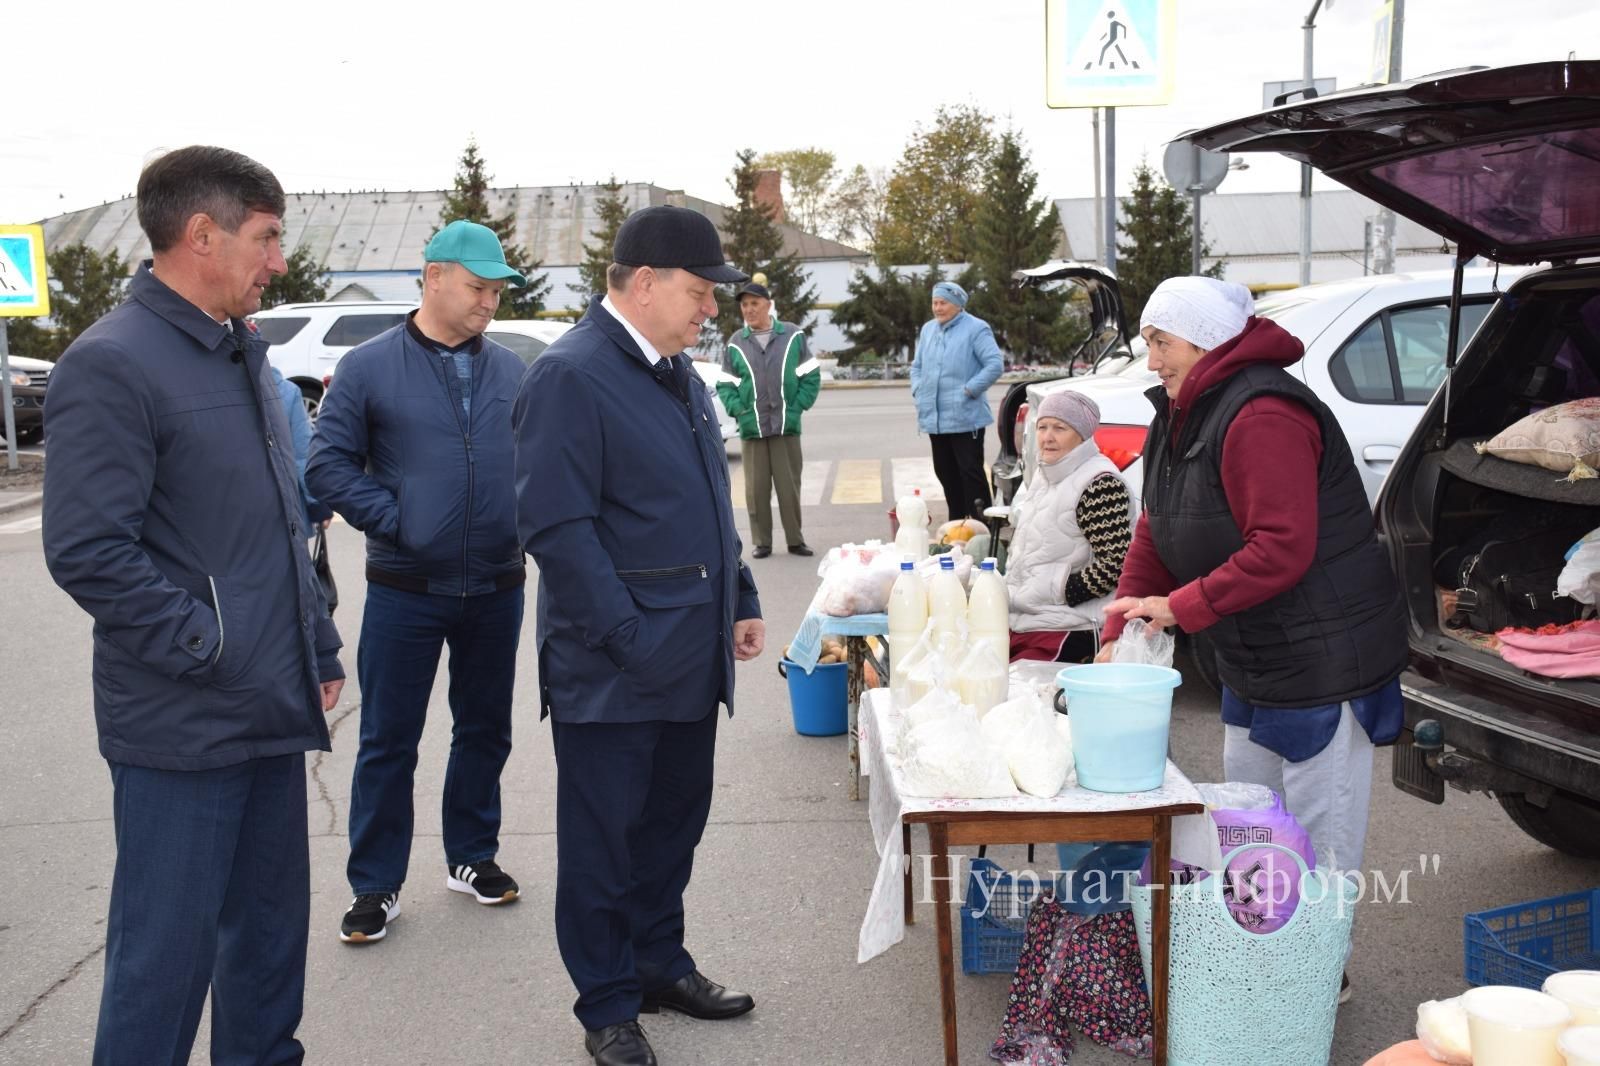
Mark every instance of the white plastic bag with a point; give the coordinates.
(936, 704)
(1237, 796)
(1442, 1029)
(1580, 578)
(931, 664)
(958, 556)
(948, 758)
(982, 678)
(1038, 753)
(859, 583)
(1142, 642)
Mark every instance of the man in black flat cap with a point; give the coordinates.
(622, 500)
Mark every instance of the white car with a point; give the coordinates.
(527, 337)
(1375, 352)
(308, 340)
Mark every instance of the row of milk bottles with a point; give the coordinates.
(971, 633)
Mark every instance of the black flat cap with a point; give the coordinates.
(751, 288)
(674, 237)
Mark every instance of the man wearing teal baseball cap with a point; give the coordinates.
(427, 406)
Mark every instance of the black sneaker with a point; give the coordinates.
(483, 881)
(369, 916)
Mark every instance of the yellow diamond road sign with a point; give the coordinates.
(23, 290)
(1109, 53)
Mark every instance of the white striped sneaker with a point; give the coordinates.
(369, 916)
(483, 881)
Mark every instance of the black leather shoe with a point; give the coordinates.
(698, 997)
(622, 1044)
(801, 549)
(760, 552)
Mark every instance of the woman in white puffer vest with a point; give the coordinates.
(1073, 522)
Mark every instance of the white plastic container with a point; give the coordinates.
(911, 512)
(947, 600)
(989, 610)
(1514, 1026)
(1581, 1045)
(1580, 991)
(982, 680)
(908, 613)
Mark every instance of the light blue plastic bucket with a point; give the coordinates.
(1120, 714)
(820, 699)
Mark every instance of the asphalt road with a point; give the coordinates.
(780, 885)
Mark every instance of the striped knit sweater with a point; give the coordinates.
(1103, 516)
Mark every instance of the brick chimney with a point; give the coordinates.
(769, 190)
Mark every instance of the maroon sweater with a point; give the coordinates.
(1270, 457)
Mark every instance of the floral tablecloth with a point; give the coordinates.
(1194, 837)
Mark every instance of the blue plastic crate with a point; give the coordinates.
(991, 942)
(1527, 942)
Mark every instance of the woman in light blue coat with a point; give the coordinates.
(956, 362)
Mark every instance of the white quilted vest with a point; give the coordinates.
(1047, 545)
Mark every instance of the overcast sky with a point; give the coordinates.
(334, 95)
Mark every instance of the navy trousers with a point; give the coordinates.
(631, 804)
(212, 891)
(402, 636)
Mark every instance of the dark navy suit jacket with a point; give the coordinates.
(623, 501)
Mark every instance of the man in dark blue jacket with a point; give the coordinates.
(413, 448)
(172, 515)
(622, 500)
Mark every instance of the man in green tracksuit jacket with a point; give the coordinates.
(768, 379)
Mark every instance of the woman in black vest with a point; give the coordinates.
(1256, 530)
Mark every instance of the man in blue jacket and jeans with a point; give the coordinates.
(413, 448)
(173, 516)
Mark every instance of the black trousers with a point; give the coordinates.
(631, 804)
(958, 464)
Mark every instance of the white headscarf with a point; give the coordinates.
(1203, 311)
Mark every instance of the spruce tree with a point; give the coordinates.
(753, 242)
(885, 311)
(1159, 228)
(305, 281)
(613, 209)
(1014, 230)
(85, 286)
(469, 199)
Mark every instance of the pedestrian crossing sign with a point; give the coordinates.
(1109, 53)
(23, 289)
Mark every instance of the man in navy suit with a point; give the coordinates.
(623, 501)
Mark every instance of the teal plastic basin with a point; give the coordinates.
(1120, 713)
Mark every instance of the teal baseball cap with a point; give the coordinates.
(474, 247)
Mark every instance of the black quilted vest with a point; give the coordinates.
(1341, 631)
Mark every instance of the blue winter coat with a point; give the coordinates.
(431, 490)
(951, 373)
(172, 515)
(623, 501)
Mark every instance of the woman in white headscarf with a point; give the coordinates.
(1256, 531)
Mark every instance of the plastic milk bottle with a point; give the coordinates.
(989, 609)
(947, 600)
(912, 514)
(908, 610)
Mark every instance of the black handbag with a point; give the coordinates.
(1513, 583)
(319, 563)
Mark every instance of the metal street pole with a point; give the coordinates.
(1305, 168)
(1195, 192)
(1111, 188)
(1099, 237)
(1387, 224)
(5, 395)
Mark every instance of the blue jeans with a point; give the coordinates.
(212, 890)
(402, 634)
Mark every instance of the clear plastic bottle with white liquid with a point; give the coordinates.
(947, 600)
(989, 609)
(908, 612)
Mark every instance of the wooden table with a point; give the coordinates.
(965, 823)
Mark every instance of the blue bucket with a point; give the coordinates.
(1120, 715)
(820, 699)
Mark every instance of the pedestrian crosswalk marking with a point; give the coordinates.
(916, 473)
(859, 481)
(813, 480)
(22, 525)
